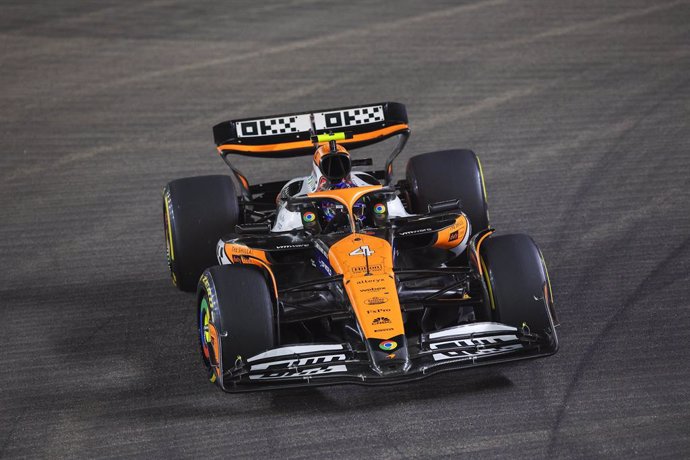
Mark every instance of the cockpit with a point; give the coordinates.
(344, 210)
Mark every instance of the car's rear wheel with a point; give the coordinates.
(448, 175)
(197, 211)
(517, 282)
(236, 317)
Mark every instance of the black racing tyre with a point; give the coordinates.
(448, 175)
(517, 282)
(197, 211)
(235, 316)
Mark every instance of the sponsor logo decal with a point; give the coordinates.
(274, 126)
(309, 217)
(388, 345)
(236, 249)
(412, 232)
(362, 251)
(372, 268)
(477, 347)
(311, 182)
(375, 300)
(374, 289)
(379, 208)
(453, 236)
(387, 329)
(293, 246)
(348, 117)
(325, 267)
(370, 280)
(455, 226)
(290, 368)
(380, 320)
(317, 245)
(378, 311)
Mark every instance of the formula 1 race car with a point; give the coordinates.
(343, 276)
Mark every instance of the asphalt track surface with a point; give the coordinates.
(579, 110)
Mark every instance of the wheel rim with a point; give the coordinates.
(208, 339)
(204, 335)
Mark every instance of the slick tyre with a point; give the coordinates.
(236, 317)
(517, 282)
(448, 175)
(197, 211)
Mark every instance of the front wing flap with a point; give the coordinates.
(454, 348)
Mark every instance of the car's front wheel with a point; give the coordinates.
(236, 317)
(518, 285)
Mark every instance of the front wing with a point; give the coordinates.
(454, 348)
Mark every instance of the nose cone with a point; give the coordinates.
(366, 263)
(389, 356)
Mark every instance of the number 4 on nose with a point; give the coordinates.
(362, 251)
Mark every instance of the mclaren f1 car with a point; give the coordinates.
(343, 275)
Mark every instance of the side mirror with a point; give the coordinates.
(249, 229)
(299, 203)
(362, 162)
(444, 206)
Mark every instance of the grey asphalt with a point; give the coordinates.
(579, 111)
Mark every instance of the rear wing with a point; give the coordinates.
(288, 135)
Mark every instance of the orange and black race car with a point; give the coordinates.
(342, 276)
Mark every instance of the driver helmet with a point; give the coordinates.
(334, 164)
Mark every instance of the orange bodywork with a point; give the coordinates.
(245, 182)
(265, 148)
(451, 236)
(240, 254)
(346, 196)
(372, 292)
(215, 344)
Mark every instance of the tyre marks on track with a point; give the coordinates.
(665, 273)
